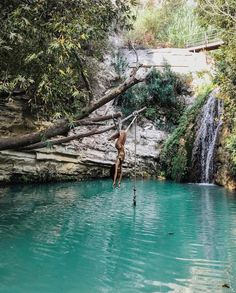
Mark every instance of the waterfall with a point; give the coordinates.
(206, 138)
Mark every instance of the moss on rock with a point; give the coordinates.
(177, 151)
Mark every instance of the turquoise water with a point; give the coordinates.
(87, 237)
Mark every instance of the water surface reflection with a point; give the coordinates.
(87, 237)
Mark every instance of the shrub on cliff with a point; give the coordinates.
(159, 94)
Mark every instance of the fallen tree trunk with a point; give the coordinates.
(63, 127)
(111, 95)
(81, 135)
(59, 129)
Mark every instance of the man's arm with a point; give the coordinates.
(114, 136)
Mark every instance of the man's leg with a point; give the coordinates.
(121, 173)
(116, 171)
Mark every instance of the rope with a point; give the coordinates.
(135, 114)
(135, 160)
(119, 124)
(130, 124)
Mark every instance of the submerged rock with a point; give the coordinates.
(225, 286)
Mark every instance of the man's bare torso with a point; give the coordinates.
(121, 139)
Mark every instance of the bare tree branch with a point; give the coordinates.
(63, 127)
(83, 74)
(78, 136)
(97, 119)
(132, 80)
(116, 134)
(213, 9)
(135, 52)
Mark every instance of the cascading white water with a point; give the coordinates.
(206, 137)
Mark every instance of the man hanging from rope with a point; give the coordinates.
(120, 142)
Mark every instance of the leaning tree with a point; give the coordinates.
(48, 52)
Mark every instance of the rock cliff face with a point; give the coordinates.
(13, 118)
(180, 60)
(91, 157)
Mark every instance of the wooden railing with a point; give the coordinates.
(203, 39)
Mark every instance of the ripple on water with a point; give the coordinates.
(87, 237)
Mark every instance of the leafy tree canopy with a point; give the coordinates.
(45, 46)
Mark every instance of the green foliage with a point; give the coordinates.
(41, 41)
(159, 94)
(221, 15)
(177, 151)
(179, 165)
(231, 145)
(170, 24)
(230, 141)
